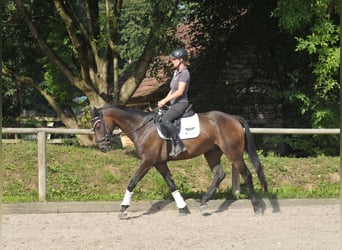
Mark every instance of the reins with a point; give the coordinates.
(142, 125)
(107, 137)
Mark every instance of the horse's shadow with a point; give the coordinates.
(160, 205)
(155, 208)
(273, 200)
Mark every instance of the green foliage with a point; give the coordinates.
(324, 41)
(134, 31)
(17, 53)
(55, 84)
(295, 14)
(316, 28)
(136, 22)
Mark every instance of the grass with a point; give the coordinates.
(85, 174)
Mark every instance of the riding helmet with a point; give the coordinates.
(179, 53)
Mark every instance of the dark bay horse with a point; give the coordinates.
(221, 133)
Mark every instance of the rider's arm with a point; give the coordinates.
(171, 96)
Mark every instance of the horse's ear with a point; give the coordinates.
(94, 112)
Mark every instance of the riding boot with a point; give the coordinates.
(178, 146)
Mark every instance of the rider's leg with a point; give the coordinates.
(178, 146)
(174, 112)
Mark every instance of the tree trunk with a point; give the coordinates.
(84, 140)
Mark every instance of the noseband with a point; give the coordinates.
(107, 132)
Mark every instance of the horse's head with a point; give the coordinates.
(103, 134)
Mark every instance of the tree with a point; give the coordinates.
(315, 27)
(76, 44)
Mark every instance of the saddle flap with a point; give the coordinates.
(189, 128)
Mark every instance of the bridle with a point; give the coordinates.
(107, 131)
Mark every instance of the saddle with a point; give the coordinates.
(187, 125)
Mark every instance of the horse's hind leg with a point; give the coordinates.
(247, 176)
(214, 159)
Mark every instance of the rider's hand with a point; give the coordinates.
(161, 104)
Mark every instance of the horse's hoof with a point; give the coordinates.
(258, 210)
(123, 212)
(183, 211)
(123, 215)
(203, 205)
(259, 207)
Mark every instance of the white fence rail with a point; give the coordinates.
(41, 135)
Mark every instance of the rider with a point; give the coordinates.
(178, 98)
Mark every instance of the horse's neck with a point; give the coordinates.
(127, 120)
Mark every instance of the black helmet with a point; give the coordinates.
(179, 53)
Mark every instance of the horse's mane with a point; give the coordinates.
(134, 111)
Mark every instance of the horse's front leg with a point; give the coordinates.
(139, 174)
(164, 170)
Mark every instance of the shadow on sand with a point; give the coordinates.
(273, 200)
(155, 208)
(160, 205)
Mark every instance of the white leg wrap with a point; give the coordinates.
(127, 198)
(178, 199)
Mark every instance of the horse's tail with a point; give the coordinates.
(252, 153)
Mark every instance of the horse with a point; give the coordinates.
(220, 133)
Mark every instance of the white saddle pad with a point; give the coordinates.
(189, 128)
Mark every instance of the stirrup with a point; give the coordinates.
(177, 150)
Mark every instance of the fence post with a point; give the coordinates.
(235, 182)
(42, 165)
